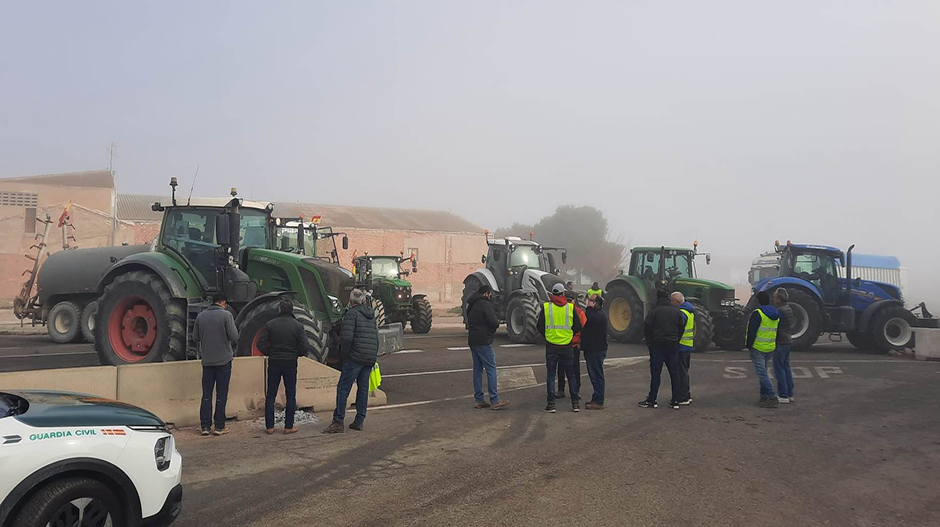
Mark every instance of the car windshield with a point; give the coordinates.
(384, 268)
(524, 255)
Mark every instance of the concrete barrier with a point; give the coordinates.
(316, 388)
(927, 344)
(97, 380)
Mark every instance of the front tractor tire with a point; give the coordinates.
(423, 316)
(892, 329)
(704, 330)
(624, 314)
(522, 319)
(254, 322)
(138, 321)
(64, 323)
(380, 317)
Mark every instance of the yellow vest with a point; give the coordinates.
(558, 323)
(592, 292)
(688, 336)
(766, 340)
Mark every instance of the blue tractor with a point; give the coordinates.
(871, 314)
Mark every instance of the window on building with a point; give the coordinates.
(19, 199)
(29, 219)
(413, 253)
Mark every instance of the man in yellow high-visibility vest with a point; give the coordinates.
(762, 341)
(559, 323)
(686, 343)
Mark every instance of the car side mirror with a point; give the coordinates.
(222, 232)
(483, 259)
(345, 243)
(564, 257)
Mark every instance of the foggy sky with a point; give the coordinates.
(733, 123)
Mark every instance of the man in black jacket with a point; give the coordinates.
(482, 324)
(282, 341)
(594, 344)
(663, 328)
(359, 346)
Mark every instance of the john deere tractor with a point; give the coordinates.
(149, 300)
(521, 273)
(629, 297)
(391, 294)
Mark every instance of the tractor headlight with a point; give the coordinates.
(163, 452)
(728, 302)
(335, 302)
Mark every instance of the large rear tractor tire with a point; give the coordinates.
(892, 329)
(861, 340)
(522, 318)
(704, 330)
(138, 321)
(64, 323)
(807, 323)
(88, 321)
(731, 329)
(423, 315)
(470, 287)
(254, 322)
(624, 314)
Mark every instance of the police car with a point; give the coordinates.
(77, 460)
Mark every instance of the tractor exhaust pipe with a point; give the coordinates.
(848, 275)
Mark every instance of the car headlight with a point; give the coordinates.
(163, 452)
(728, 302)
(335, 302)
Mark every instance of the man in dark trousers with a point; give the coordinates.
(481, 325)
(359, 346)
(686, 344)
(762, 342)
(663, 328)
(575, 348)
(782, 370)
(558, 324)
(594, 344)
(282, 341)
(214, 334)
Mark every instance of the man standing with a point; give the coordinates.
(782, 370)
(282, 341)
(482, 324)
(664, 326)
(214, 334)
(686, 343)
(359, 346)
(594, 343)
(575, 348)
(762, 341)
(595, 290)
(558, 323)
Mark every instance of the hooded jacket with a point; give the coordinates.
(481, 321)
(594, 334)
(560, 301)
(785, 329)
(754, 323)
(685, 320)
(664, 325)
(283, 340)
(359, 339)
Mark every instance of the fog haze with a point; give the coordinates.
(731, 123)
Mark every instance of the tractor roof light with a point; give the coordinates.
(234, 192)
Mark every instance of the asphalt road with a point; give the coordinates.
(860, 447)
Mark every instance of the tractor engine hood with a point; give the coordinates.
(396, 282)
(699, 282)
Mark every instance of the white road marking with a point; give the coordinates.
(34, 355)
(515, 345)
(825, 361)
(402, 352)
(466, 348)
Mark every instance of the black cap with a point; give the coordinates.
(484, 289)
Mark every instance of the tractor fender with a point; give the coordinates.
(415, 297)
(520, 292)
(158, 264)
(260, 299)
(485, 276)
(770, 284)
(630, 281)
(870, 311)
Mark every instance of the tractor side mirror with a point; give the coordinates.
(285, 243)
(483, 259)
(222, 232)
(708, 259)
(345, 243)
(564, 257)
(414, 266)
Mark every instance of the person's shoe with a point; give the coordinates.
(220, 432)
(576, 406)
(792, 400)
(205, 432)
(686, 402)
(550, 408)
(356, 425)
(481, 404)
(288, 431)
(593, 406)
(768, 402)
(674, 405)
(560, 394)
(774, 403)
(500, 405)
(269, 431)
(335, 428)
(648, 404)
(783, 400)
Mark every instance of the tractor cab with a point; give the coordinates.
(818, 265)
(383, 276)
(662, 267)
(309, 239)
(509, 258)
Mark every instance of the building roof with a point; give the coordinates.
(91, 178)
(137, 208)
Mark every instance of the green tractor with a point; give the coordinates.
(315, 240)
(629, 297)
(391, 295)
(149, 301)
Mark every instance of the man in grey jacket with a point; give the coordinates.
(214, 334)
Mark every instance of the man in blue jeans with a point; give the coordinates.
(594, 344)
(359, 346)
(481, 325)
(283, 340)
(662, 329)
(782, 370)
(214, 333)
(762, 341)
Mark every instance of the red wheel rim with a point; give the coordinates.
(255, 352)
(132, 329)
